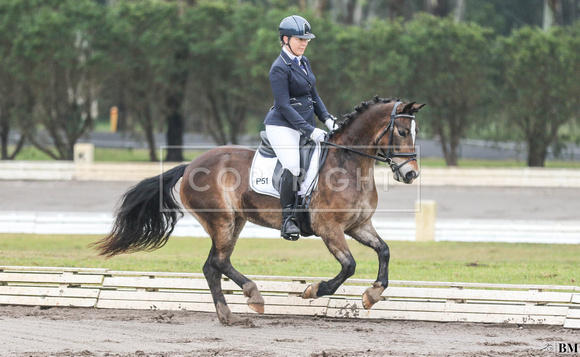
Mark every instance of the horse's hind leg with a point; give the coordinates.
(224, 237)
(368, 236)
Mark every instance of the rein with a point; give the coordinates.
(388, 157)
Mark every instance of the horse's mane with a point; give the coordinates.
(360, 109)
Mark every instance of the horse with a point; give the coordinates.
(215, 189)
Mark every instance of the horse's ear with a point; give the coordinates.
(408, 108)
(416, 107)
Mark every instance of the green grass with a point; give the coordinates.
(106, 155)
(549, 264)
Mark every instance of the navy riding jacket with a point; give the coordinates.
(295, 97)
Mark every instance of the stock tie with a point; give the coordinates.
(300, 64)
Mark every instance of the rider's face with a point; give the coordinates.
(298, 45)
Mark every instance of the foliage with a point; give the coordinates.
(203, 66)
(146, 36)
(54, 61)
(449, 70)
(539, 81)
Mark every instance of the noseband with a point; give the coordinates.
(390, 154)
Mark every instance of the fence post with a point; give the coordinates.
(425, 213)
(84, 153)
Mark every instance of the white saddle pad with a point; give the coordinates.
(263, 169)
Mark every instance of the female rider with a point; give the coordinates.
(295, 103)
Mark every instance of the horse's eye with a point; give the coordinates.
(403, 133)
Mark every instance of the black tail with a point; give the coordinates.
(146, 216)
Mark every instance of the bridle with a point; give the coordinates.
(390, 154)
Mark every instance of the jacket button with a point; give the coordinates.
(311, 107)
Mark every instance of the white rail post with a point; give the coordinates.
(84, 153)
(425, 213)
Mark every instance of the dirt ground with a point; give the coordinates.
(64, 332)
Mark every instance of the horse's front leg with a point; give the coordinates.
(367, 235)
(336, 244)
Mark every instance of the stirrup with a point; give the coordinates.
(290, 230)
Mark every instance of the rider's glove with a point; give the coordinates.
(318, 135)
(330, 122)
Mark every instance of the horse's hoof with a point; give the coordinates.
(255, 299)
(372, 295)
(259, 308)
(310, 292)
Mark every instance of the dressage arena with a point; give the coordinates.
(98, 312)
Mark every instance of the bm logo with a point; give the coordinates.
(562, 348)
(567, 347)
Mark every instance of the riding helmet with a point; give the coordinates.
(295, 26)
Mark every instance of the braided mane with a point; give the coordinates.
(359, 109)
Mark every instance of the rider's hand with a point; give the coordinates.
(318, 135)
(330, 122)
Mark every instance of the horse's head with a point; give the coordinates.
(397, 141)
(387, 130)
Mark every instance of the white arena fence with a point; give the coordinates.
(403, 300)
(460, 230)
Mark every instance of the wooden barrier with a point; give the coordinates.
(403, 300)
(70, 287)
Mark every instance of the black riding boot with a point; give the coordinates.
(290, 229)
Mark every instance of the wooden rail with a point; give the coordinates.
(403, 300)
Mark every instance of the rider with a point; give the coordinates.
(295, 103)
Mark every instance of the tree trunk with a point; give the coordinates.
(552, 13)
(439, 8)
(174, 128)
(4, 130)
(536, 154)
(459, 10)
(449, 147)
(396, 9)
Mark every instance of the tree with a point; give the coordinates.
(53, 69)
(147, 41)
(222, 71)
(449, 70)
(539, 85)
(11, 89)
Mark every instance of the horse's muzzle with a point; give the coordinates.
(410, 176)
(405, 174)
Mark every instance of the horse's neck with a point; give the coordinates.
(353, 162)
(359, 135)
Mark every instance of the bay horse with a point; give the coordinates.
(215, 189)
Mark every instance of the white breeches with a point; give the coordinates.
(285, 142)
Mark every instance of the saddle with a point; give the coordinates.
(307, 149)
(266, 172)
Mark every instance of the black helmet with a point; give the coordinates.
(296, 26)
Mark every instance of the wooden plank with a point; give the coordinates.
(155, 283)
(576, 298)
(453, 307)
(447, 316)
(50, 278)
(462, 294)
(155, 274)
(146, 282)
(206, 298)
(474, 285)
(52, 292)
(476, 294)
(47, 301)
(572, 323)
(154, 305)
(26, 269)
(574, 313)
